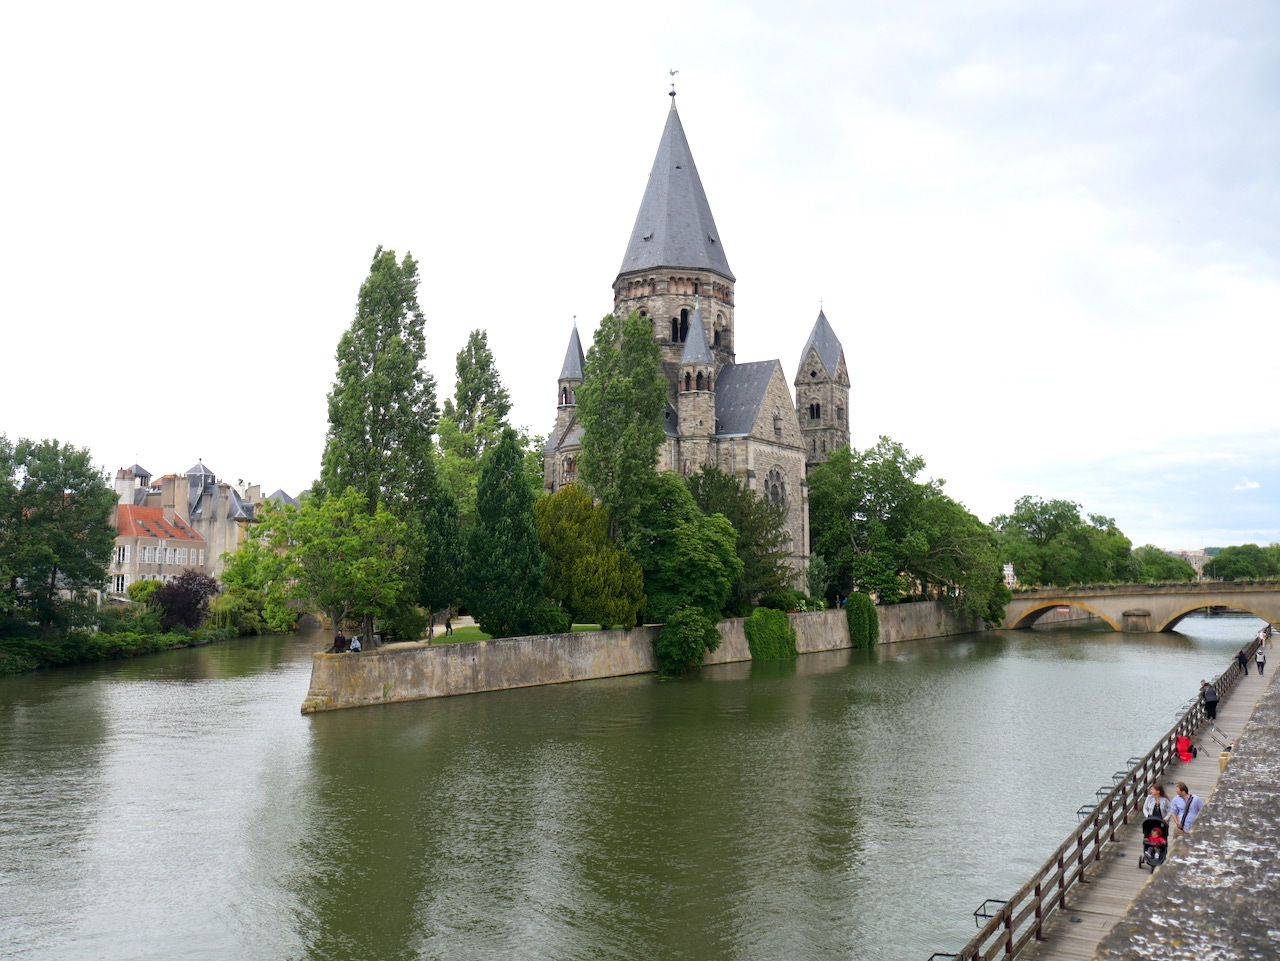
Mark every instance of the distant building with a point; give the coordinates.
(1196, 559)
(178, 522)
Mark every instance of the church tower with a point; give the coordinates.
(822, 393)
(560, 455)
(696, 399)
(675, 260)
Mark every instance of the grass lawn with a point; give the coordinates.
(461, 634)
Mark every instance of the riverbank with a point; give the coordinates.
(18, 655)
(412, 672)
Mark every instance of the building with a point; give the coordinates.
(738, 416)
(179, 521)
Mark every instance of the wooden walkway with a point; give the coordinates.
(1072, 933)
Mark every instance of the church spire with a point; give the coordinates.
(674, 227)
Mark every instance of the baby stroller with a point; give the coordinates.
(1153, 851)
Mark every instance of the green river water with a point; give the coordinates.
(851, 805)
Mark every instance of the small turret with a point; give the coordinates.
(822, 393)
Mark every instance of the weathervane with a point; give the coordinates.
(673, 83)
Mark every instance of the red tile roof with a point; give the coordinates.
(133, 521)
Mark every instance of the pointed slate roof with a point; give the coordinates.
(740, 393)
(696, 350)
(674, 227)
(824, 339)
(571, 369)
(280, 497)
(198, 478)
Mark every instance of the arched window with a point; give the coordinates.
(840, 415)
(699, 380)
(675, 330)
(684, 324)
(687, 382)
(775, 488)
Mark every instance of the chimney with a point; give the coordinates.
(169, 496)
(125, 485)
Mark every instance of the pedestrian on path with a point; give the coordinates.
(1261, 658)
(1186, 808)
(1156, 804)
(1243, 660)
(1209, 695)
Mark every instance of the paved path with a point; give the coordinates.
(1101, 911)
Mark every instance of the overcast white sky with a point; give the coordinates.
(1047, 234)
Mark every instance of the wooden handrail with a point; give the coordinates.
(1021, 918)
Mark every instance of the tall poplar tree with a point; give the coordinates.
(620, 404)
(503, 581)
(382, 409)
(473, 421)
(477, 412)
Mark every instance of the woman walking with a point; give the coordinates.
(1261, 659)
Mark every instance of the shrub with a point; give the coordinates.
(770, 636)
(864, 624)
(684, 640)
(786, 599)
(136, 618)
(553, 619)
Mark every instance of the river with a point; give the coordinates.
(851, 805)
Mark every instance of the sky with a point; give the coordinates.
(1047, 235)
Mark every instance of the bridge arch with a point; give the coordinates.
(1171, 623)
(1033, 614)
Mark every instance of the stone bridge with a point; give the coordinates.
(1141, 608)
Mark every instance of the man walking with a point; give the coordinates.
(1186, 808)
(1243, 660)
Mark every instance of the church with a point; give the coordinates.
(738, 416)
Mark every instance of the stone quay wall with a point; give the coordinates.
(412, 672)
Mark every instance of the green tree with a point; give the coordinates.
(382, 409)
(473, 420)
(688, 558)
(883, 531)
(480, 404)
(335, 556)
(1151, 565)
(620, 404)
(443, 556)
(1240, 563)
(586, 574)
(56, 535)
(762, 539)
(253, 580)
(503, 582)
(818, 576)
(1049, 542)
